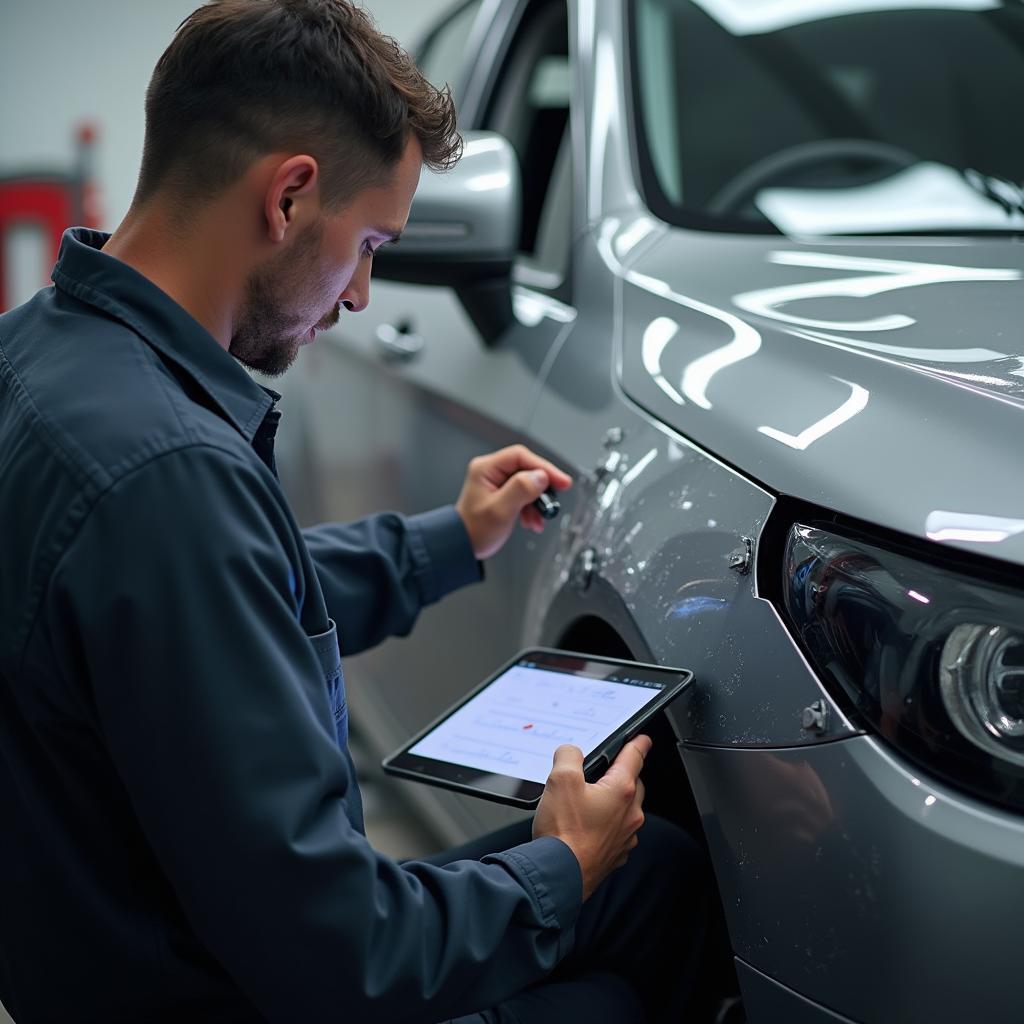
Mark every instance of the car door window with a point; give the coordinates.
(547, 266)
(839, 118)
(530, 108)
(442, 56)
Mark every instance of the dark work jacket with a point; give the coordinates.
(181, 836)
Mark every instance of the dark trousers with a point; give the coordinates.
(637, 939)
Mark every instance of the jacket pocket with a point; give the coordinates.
(329, 655)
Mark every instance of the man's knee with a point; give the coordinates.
(666, 847)
(668, 881)
(598, 998)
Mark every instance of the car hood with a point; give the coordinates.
(881, 378)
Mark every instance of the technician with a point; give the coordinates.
(182, 829)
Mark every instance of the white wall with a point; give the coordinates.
(67, 61)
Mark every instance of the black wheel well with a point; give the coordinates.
(668, 789)
(591, 635)
(669, 795)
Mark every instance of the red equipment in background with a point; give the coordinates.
(49, 202)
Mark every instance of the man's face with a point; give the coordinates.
(302, 289)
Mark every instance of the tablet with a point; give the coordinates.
(498, 742)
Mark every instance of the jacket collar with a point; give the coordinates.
(106, 283)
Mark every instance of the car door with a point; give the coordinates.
(398, 399)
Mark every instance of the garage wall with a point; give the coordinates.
(64, 62)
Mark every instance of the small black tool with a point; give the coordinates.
(547, 504)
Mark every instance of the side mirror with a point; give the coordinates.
(463, 232)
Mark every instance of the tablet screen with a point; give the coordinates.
(512, 726)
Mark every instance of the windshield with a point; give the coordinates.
(831, 116)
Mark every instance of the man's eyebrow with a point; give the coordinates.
(390, 235)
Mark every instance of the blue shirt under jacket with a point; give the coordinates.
(182, 837)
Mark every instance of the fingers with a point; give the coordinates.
(635, 819)
(643, 744)
(500, 465)
(631, 844)
(626, 767)
(531, 519)
(501, 487)
(567, 757)
(519, 492)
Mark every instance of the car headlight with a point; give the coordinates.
(931, 657)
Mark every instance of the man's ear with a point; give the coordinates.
(292, 195)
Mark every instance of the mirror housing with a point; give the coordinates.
(463, 232)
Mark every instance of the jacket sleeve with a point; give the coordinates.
(176, 596)
(379, 573)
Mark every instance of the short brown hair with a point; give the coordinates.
(243, 78)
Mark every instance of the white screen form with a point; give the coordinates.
(513, 726)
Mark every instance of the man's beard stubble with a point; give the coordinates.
(267, 339)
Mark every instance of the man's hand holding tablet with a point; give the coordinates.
(598, 821)
(499, 742)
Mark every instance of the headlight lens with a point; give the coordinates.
(930, 657)
(981, 677)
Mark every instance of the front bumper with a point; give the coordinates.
(862, 885)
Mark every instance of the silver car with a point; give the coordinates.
(752, 272)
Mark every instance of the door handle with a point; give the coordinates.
(397, 344)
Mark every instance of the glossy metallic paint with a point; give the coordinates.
(848, 881)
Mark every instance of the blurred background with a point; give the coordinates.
(72, 80)
(73, 76)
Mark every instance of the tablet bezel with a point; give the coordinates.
(523, 793)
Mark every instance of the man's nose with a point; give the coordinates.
(356, 296)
